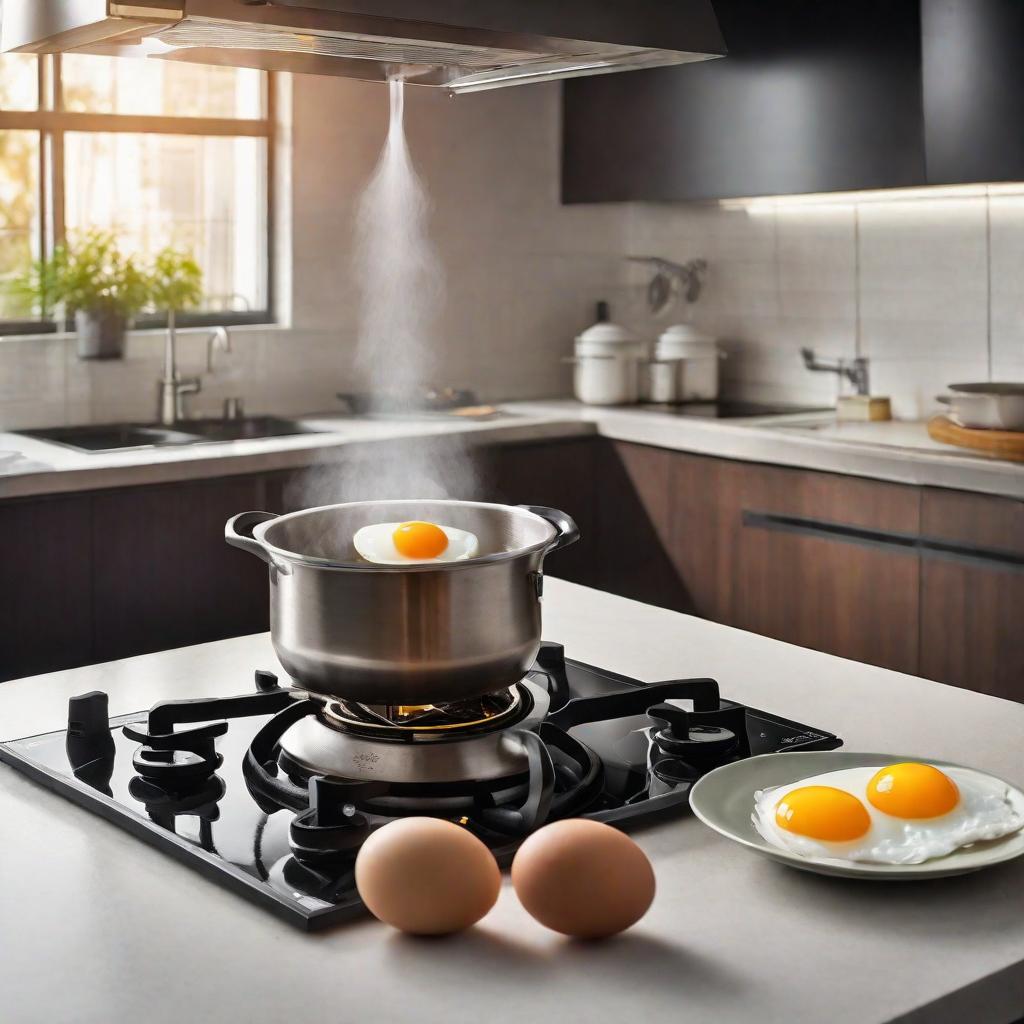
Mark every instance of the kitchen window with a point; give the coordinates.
(160, 153)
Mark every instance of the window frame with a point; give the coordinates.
(51, 122)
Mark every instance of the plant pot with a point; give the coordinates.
(100, 333)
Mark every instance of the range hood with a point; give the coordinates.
(461, 45)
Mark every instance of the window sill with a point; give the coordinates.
(142, 333)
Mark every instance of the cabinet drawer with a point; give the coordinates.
(831, 500)
(973, 521)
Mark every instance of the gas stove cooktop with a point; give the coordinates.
(272, 793)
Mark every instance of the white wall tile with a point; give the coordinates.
(1007, 254)
(924, 280)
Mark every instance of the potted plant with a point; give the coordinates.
(90, 277)
(175, 283)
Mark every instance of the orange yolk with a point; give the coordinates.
(822, 812)
(912, 790)
(420, 540)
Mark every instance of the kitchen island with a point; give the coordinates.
(99, 927)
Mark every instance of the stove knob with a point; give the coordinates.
(687, 741)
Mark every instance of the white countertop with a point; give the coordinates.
(57, 469)
(101, 928)
(897, 451)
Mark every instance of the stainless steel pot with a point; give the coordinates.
(404, 634)
(990, 406)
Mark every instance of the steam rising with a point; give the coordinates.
(400, 282)
(397, 269)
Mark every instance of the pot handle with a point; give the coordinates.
(238, 533)
(568, 531)
(944, 399)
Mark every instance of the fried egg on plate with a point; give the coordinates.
(403, 543)
(893, 814)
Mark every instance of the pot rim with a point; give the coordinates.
(989, 389)
(466, 563)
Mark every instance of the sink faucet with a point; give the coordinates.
(218, 339)
(854, 370)
(171, 387)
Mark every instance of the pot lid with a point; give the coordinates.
(608, 333)
(996, 388)
(679, 333)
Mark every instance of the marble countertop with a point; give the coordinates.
(897, 451)
(102, 928)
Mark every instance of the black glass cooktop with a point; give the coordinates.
(610, 748)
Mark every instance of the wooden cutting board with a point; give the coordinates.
(1005, 444)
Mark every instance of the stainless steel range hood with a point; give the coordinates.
(462, 45)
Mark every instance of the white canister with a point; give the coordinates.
(608, 360)
(607, 380)
(698, 357)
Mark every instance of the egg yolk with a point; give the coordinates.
(420, 540)
(912, 790)
(822, 812)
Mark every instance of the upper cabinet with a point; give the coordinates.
(812, 97)
(973, 89)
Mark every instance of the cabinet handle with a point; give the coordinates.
(899, 543)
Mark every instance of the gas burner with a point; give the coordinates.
(273, 792)
(487, 712)
(455, 746)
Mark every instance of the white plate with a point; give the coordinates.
(724, 799)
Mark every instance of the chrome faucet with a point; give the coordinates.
(854, 370)
(218, 339)
(171, 387)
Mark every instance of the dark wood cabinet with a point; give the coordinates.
(634, 523)
(811, 97)
(706, 496)
(163, 575)
(972, 592)
(818, 562)
(559, 474)
(45, 585)
(919, 580)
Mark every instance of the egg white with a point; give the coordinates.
(375, 543)
(984, 811)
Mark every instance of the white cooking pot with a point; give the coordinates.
(989, 406)
(696, 357)
(607, 365)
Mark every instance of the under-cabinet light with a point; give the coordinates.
(773, 204)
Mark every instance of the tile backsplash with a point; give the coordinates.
(930, 290)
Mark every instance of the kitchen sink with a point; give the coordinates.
(130, 436)
(246, 428)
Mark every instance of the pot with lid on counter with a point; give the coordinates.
(607, 362)
(695, 358)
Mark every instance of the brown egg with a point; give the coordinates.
(427, 876)
(583, 878)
